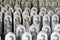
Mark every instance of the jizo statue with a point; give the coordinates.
(20, 30)
(55, 36)
(34, 28)
(7, 24)
(26, 21)
(33, 31)
(36, 20)
(46, 19)
(57, 28)
(10, 36)
(42, 36)
(46, 29)
(17, 21)
(23, 4)
(55, 20)
(26, 36)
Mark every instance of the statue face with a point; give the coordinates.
(56, 37)
(46, 20)
(43, 10)
(51, 13)
(27, 37)
(26, 19)
(34, 30)
(41, 14)
(55, 19)
(11, 38)
(17, 18)
(42, 37)
(47, 30)
(21, 30)
(36, 20)
(8, 29)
